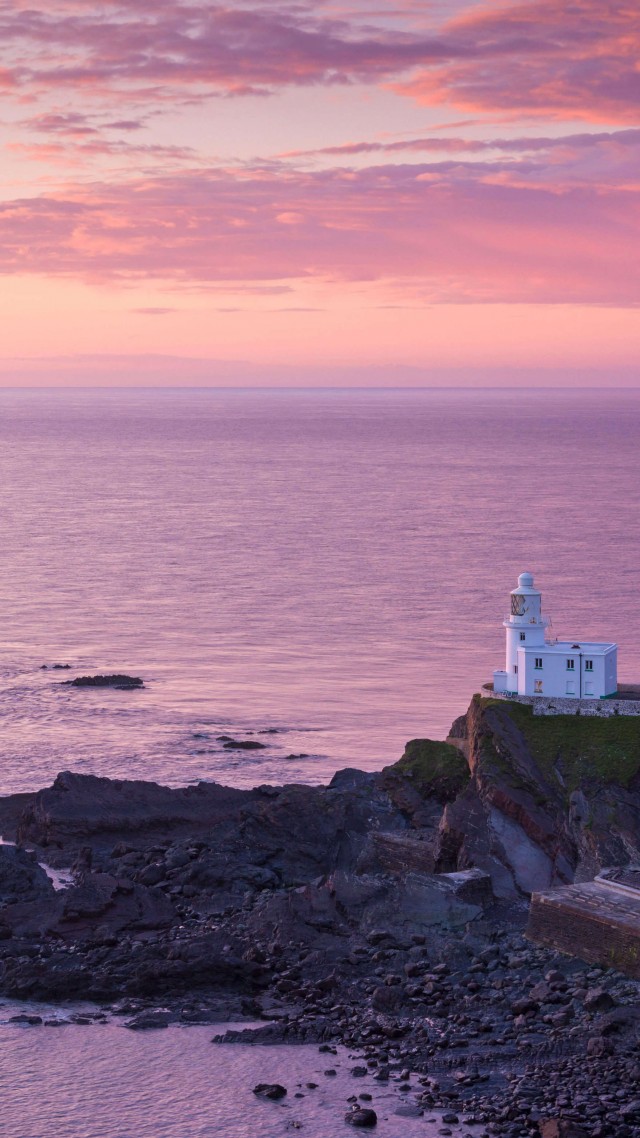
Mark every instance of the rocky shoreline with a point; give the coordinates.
(385, 912)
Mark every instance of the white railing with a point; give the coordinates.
(545, 621)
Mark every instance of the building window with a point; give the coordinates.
(523, 635)
(588, 665)
(571, 687)
(571, 665)
(517, 605)
(515, 669)
(588, 688)
(538, 661)
(537, 687)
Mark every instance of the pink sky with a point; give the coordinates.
(335, 191)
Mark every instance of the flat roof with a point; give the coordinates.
(596, 648)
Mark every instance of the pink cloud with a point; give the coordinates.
(153, 48)
(577, 60)
(536, 58)
(77, 124)
(435, 143)
(444, 232)
(153, 310)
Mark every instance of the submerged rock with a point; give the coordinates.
(244, 745)
(116, 680)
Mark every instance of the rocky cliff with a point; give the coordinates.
(550, 800)
(532, 801)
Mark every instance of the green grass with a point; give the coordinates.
(579, 747)
(437, 769)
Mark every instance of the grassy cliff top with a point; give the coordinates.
(578, 747)
(437, 770)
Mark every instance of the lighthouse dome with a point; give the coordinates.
(526, 579)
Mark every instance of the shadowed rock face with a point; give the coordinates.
(85, 806)
(532, 801)
(550, 800)
(21, 878)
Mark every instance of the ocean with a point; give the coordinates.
(324, 572)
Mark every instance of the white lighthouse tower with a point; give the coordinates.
(525, 625)
(536, 666)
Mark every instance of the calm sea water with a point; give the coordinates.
(331, 564)
(103, 1081)
(334, 565)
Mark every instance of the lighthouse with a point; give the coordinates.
(536, 665)
(524, 623)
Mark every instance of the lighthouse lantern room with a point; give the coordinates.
(538, 665)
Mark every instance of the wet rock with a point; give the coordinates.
(362, 1116)
(115, 680)
(244, 745)
(150, 1021)
(272, 1091)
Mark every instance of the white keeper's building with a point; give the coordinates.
(539, 665)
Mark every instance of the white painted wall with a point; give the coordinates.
(558, 680)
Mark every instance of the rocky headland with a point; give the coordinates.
(385, 911)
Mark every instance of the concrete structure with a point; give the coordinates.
(537, 665)
(597, 921)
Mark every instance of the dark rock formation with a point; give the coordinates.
(21, 878)
(121, 682)
(362, 913)
(273, 1091)
(551, 799)
(532, 801)
(361, 1116)
(243, 745)
(79, 808)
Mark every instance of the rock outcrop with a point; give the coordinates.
(376, 912)
(22, 880)
(550, 800)
(113, 680)
(532, 801)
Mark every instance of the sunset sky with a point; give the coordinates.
(301, 192)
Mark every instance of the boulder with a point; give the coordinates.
(361, 1116)
(21, 878)
(272, 1091)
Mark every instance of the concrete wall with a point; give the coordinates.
(556, 705)
(611, 671)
